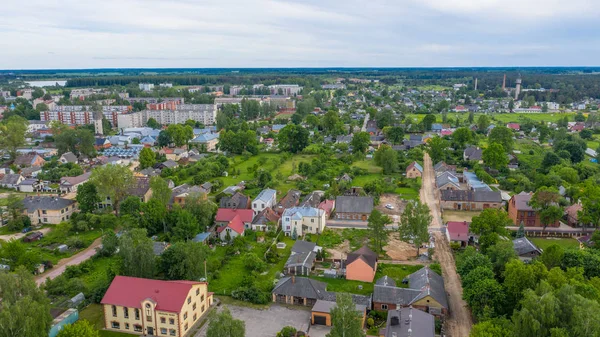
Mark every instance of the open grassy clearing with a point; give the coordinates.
(544, 243)
(397, 272)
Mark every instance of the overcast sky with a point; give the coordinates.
(313, 33)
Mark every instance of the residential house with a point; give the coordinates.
(237, 200)
(141, 188)
(572, 215)
(436, 127)
(408, 322)
(11, 180)
(525, 249)
(473, 153)
(48, 210)
(443, 167)
(519, 211)
(458, 232)
(266, 198)
(353, 207)
(291, 199)
(226, 215)
(263, 218)
(29, 159)
(31, 172)
(469, 200)
(425, 292)
(68, 157)
(447, 181)
(160, 247)
(328, 206)
(180, 193)
(305, 291)
(102, 144)
(70, 184)
(207, 140)
(313, 199)
(29, 185)
(170, 164)
(414, 170)
(514, 126)
(321, 313)
(303, 220)
(302, 258)
(232, 229)
(154, 307)
(361, 265)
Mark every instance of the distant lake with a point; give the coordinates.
(46, 83)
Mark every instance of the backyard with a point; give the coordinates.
(565, 243)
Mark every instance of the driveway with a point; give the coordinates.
(62, 265)
(268, 322)
(18, 236)
(319, 331)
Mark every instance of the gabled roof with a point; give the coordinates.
(291, 199)
(10, 179)
(26, 159)
(33, 203)
(301, 287)
(228, 214)
(237, 198)
(468, 195)
(69, 157)
(300, 212)
(446, 178)
(523, 246)
(424, 282)
(415, 165)
(521, 201)
(473, 153)
(364, 254)
(72, 181)
(266, 215)
(352, 204)
(140, 187)
(409, 322)
(131, 291)
(266, 195)
(235, 224)
(458, 230)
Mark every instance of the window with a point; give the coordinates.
(137, 314)
(194, 306)
(171, 321)
(254, 205)
(126, 312)
(115, 325)
(263, 205)
(189, 300)
(163, 331)
(312, 220)
(137, 328)
(61, 211)
(114, 311)
(44, 212)
(195, 317)
(202, 298)
(185, 327)
(384, 307)
(202, 308)
(185, 315)
(172, 332)
(45, 219)
(148, 312)
(197, 291)
(163, 320)
(127, 326)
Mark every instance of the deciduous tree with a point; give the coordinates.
(345, 320)
(147, 158)
(503, 136)
(12, 135)
(437, 149)
(414, 223)
(184, 261)
(222, 324)
(113, 181)
(377, 230)
(293, 138)
(490, 225)
(81, 328)
(495, 156)
(137, 252)
(87, 197)
(360, 142)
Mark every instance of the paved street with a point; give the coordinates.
(268, 322)
(459, 323)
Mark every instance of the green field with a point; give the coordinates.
(396, 271)
(544, 243)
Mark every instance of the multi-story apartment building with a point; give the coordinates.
(48, 210)
(82, 115)
(285, 89)
(83, 93)
(155, 100)
(146, 86)
(204, 113)
(236, 89)
(154, 307)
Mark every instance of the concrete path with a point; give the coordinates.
(76, 259)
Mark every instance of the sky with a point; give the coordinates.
(73, 34)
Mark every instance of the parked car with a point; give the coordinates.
(26, 230)
(389, 206)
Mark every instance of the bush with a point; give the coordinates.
(251, 294)
(288, 331)
(370, 322)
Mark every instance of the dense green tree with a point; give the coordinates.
(462, 136)
(500, 254)
(519, 276)
(476, 275)
(222, 324)
(152, 123)
(470, 259)
(384, 118)
(503, 136)
(113, 181)
(164, 139)
(387, 159)
(545, 201)
(550, 159)
(160, 190)
(136, 250)
(485, 298)
(393, 134)
(495, 156)
(293, 138)
(202, 209)
(360, 142)
(131, 206)
(345, 320)
(147, 158)
(78, 141)
(589, 196)
(238, 142)
(437, 149)
(378, 233)
(483, 122)
(186, 226)
(12, 135)
(492, 328)
(490, 224)
(110, 243)
(428, 121)
(87, 197)
(25, 309)
(552, 256)
(184, 261)
(82, 328)
(414, 223)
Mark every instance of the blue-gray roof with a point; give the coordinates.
(205, 137)
(201, 237)
(266, 195)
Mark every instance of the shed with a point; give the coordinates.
(76, 300)
(62, 248)
(68, 317)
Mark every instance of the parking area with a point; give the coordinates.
(268, 322)
(319, 330)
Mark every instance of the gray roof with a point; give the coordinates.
(302, 246)
(303, 254)
(446, 178)
(391, 294)
(313, 199)
(424, 282)
(352, 204)
(326, 306)
(473, 153)
(237, 198)
(521, 201)
(169, 164)
(69, 157)
(33, 203)
(386, 281)
(10, 179)
(309, 288)
(365, 254)
(266, 195)
(159, 247)
(475, 196)
(523, 246)
(409, 322)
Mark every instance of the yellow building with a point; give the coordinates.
(153, 307)
(48, 210)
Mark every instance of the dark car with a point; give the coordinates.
(26, 230)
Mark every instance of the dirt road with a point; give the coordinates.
(459, 322)
(18, 236)
(76, 259)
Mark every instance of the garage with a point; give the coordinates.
(320, 320)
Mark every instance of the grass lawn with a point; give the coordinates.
(396, 271)
(346, 286)
(368, 165)
(57, 236)
(331, 238)
(407, 193)
(544, 243)
(94, 314)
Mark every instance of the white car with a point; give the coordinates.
(389, 206)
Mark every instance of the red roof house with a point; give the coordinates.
(225, 215)
(514, 126)
(327, 206)
(235, 227)
(458, 231)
